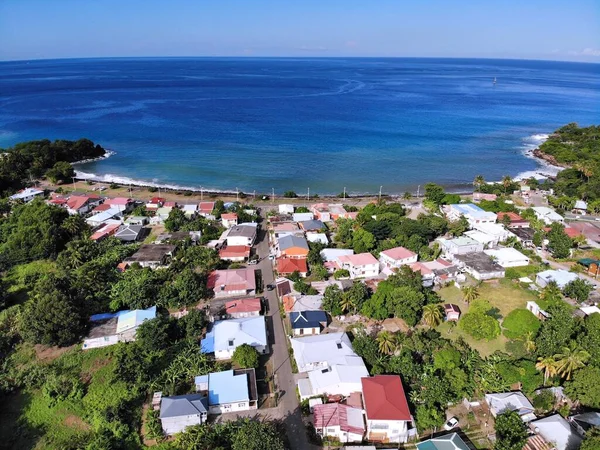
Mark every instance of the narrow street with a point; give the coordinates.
(289, 408)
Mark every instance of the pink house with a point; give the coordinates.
(395, 257)
(227, 283)
(452, 312)
(123, 204)
(478, 196)
(362, 265)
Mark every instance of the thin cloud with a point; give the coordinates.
(306, 48)
(586, 52)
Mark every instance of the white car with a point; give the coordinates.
(452, 422)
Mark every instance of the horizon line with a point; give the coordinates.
(70, 58)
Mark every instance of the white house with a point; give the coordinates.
(557, 430)
(322, 351)
(510, 401)
(480, 266)
(387, 413)
(109, 329)
(229, 219)
(494, 233)
(229, 391)
(548, 215)
(190, 210)
(100, 218)
(317, 237)
(182, 411)
(508, 257)
(396, 257)
(286, 209)
(460, 246)
(473, 213)
(340, 422)
(227, 335)
(243, 234)
(362, 265)
(337, 379)
(26, 195)
(301, 217)
(332, 254)
(560, 276)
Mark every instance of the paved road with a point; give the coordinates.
(289, 408)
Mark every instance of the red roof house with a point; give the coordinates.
(342, 422)
(287, 266)
(206, 207)
(226, 283)
(246, 307)
(516, 221)
(101, 208)
(235, 252)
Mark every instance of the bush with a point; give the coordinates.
(187, 193)
(152, 189)
(290, 194)
(480, 326)
(114, 186)
(519, 323)
(341, 273)
(544, 401)
(246, 356)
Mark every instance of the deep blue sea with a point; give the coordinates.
(323, 124)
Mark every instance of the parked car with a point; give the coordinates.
(452, 422)
(270, 287)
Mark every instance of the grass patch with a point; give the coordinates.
(485, 348)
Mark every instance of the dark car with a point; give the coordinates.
(270, 287)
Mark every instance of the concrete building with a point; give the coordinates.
(560, 277)
(182, 411)
(229, 220)
(306, 323)
(301, 217)
(473, 213)
(336, 379)
(232, 282)
(152, 255)
(317, 237)
(547, 215)
(480, 266)
(396, 257)
(460, 246)
(227, 335)
(322, 351)
(294, 247)
(286, 209)
(362, 265)
(229, 391)
(508, 257)
(243, 234)
(26, 195)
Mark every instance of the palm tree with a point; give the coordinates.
(529, 341)
(506, 182)
(511, 241)
(571, 359)
(347, 304)
(579, 240)
(470, 293)
(551, 292)
(548, 366)
(385, 339)
(432, 315)
(586, 171)
(478, 182)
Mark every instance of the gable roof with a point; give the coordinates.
(331, 378)
(243, 305)
(134, 319)
(332, 348)
(384, 398)
(76, 202)
(307, 319)
(361, 259)
(182, 405)
(451, 441)
(123, 201)
(512, 401)
(312, 225)
(557, 430)
(397, 253)
(290, 240)
(129, 231)
(232, 279)
(206, 207)
(247, 330)
(24, 193)
(338, 415)
(229, 216)
(290, 265)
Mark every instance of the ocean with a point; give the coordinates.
(323, 124)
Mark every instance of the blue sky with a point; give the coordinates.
(534, 29)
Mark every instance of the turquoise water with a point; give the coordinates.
(323, 124)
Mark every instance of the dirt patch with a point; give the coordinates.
(72, 421)
(49, 354)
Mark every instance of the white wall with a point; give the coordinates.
(306, 331)
(393, 263)
(370, 270)
(172, 425)
(337, 433)
(230, 407)
(395, 430)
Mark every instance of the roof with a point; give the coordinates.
(182, 405)
(399, 253)
(135, 318)
(227, 387)
(206, 207)
(450, 441)
(118, 201)
(561, 276)
(332, 254)
(384, 398)
(335, 414)
(290, 241)
(572, 232)
(243, 305)
(480, 262)
(332, 377)
(473, 211)
(170, 204)
(75, 202)
(102, 207)
(291, 265)
(129, 230)
(449, 307)
(514, 217)
(104, 215)
(312, 225)
(155, 200)
(580, 204)
(242, 230)
(547, 212)
(361, 259)
(463, 241)
(232, 279)
(151, 253)
(190, 208)
(302, 302)
(106, 230)
(507, 254)
(557, 430)
(307, 319)
(285, 226)
(525, 234)
(513, 401)
(24, 193)
(247, 330)
(333, 348)
(229, 216)
(232, 251)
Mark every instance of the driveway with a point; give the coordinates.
(288, 407)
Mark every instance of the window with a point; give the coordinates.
(339, 345)
(241, 405)
(231, 342)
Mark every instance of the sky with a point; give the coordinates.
(523, 29)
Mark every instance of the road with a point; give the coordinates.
(289, 407)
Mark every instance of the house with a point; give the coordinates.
(190, 210)
(321, 212)
(123, 204)
(591, 231)
(510, 401)
(286, 209)
(547, 215)
(291, 246)
(82, 204)
(152, 255)
(514, 220)
(109, 329)
(340, 422)
(154, 203)
(229, 391)
(227, 335)
(478, 196)
(331, 212)
(137, 220)
(580, 207)
(227, 283)
(386, 409)
(560, 277)
(100, 208)
(245, 307)
(301, 302)
(129, 233)
(592, 266)
(301, 217)
(182, 411)
(26, 195)
(229, 220)
(480, 266)
(100, 218)
(438, 271)
(473, 213)
(285, 228)
(179, 236)
(287, 266)
(452, 312)
(317, 237)
(451, 441)
(396, 257)
(312, 225)
(524, 235)
(322, 351)
(243, 234)
(535, 309)
(336, 379)
(307, 322)
(508, 257)
(105, 230)
(483, 238)
(332, 254)
(362, 265)
(235, 252)
(557, 431)
(170, 204)
(460, 246)
(161, 214)
(585, 422)
(495, 230)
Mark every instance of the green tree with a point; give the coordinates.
(406, 302)
(61, 172)
(447, 359)
(556, 332)
(519, 322)
(255, 435)
(245, 356)
(362, 241)
(156, 334)
(479, 325)
(319, 272)
(434, 193)
(559, 243)
(290, 194)
(478, 182)
(510, 431)
(548, 366)
(187, 288)
(470, 293)
(506, 183)
(332, 300)
(432, 315)
(385, 341)
(136, 289)
(429, 417)
(585, 386)
(341, 273)
(458, 227)
(578, 289)
(591, 440)
(176, 220)
(569, 360)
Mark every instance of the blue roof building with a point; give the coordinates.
(308, 322)
(229, 391)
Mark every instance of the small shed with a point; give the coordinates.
(452, 312)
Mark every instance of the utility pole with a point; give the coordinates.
(254, 195)
(380, 188)
(344, 192)
(73, 183)
(130, 190)
(273, 197)
(308, 195)
(237, 195)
